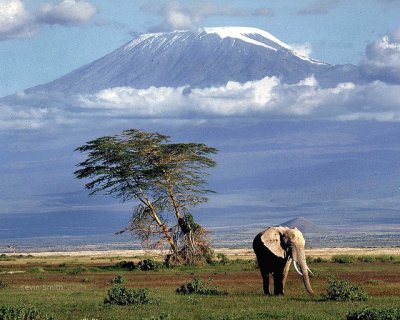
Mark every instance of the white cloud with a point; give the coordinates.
(15, 21)
(303, 49)
(268, 98)
(229, 100)
(382, 59)
(67, 12)
(176, 18)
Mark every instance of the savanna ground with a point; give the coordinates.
(74, 286)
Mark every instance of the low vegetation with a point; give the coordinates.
(118, 279)
(343, 290)
(375, 314)
(119, 295)
(22, 313)
(198, 286)
(112, 288)
(3, 284)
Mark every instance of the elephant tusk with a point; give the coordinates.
(308, 269)
(297, 268)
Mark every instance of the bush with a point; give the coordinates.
(222, 259)
(342, 290)
(148, 264)
(22, 313)
(118, 279)
(342, 259)
(315, 260)
(197, 286)
(119, 295)
(3, 284)
(374, 314)
(126, 265)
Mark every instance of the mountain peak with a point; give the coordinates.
(246, 34)
(204, 58)
(249, 35)
(303, 225)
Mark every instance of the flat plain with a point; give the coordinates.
(74, 285)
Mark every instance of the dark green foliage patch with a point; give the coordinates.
(119, 295)
(22, 313)
(197, 286)
(374, 314)
(343, 290)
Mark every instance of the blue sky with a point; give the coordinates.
(42, 40)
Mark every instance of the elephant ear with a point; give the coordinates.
(272, 240)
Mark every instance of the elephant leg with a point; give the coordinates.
(265, 277)
(278, 283)
(285, 273)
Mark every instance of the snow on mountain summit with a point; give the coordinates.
(255, 36)
(244, 33)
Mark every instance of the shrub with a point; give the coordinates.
(315, 260)
(222, 259)
(342, 290)
(197, 286)
(126, 265)
(119, 295)
(148, 264)
(342, 259)
(374, 314)
(118, 279)
(319, 260)
(22, 313)
(3, 284)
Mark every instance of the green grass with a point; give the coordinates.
(54, 289)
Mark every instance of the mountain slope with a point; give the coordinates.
(303, 225)
(205, 58)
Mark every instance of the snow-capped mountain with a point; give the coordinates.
(207, 57)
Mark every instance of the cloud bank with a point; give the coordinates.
(266, 99)
(17, 22)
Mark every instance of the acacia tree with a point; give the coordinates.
(164, 179)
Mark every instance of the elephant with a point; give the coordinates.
(275, 248)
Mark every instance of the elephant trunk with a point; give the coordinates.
(301, 262)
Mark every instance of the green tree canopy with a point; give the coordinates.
(164, 179)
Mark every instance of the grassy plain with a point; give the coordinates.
(74, 286)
